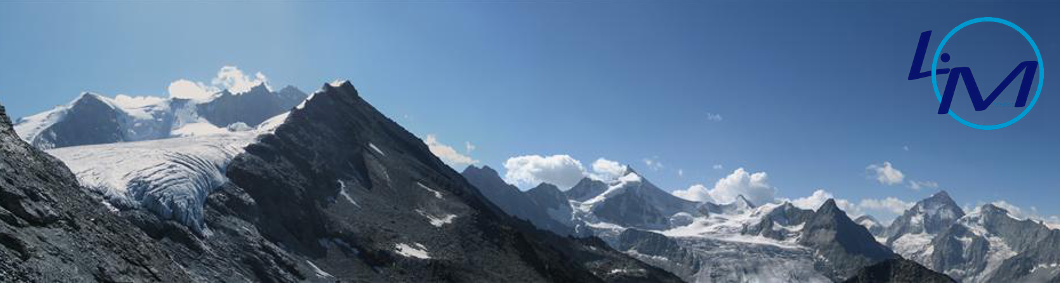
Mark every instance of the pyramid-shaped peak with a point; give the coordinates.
(942, 195)
(829, 206)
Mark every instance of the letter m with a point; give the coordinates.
(978, 102)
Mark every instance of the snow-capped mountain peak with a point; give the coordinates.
(94, 119)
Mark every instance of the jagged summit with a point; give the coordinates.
(830, 206)
(94, 119)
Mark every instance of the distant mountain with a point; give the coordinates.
(898, 270)
(910, 233)
(705, 242)
(52, 231)
(544, 206)
(985, 245)
(631, 201)
(874, 226)
(251, 107)
(94, 119)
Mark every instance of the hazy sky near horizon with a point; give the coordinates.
(814, 95)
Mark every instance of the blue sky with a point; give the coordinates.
(812, 94)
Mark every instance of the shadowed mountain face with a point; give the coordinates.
(53, 231)
(898, 271)
(251, 107)
(364, 200)
(545, 206)
(846, 244)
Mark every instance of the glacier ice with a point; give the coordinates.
(169, 177)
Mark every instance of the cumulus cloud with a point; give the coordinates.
(527, 171)
(447, 153)
(813, 201)
(233, 79)
(917, 185)
(136, 101)
(697, 192)
(229, 78)
(604, 169)
(754, 187)
(885, 173)
(889, 204)
(882, 209)
(186, 89)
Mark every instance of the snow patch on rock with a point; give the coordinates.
(416, 250)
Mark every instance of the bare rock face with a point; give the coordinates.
(346, 189)
(52, 231)
(898, 270)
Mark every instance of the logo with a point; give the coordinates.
(1027, 68)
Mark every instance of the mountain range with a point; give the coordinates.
(733, 242)
(284, 186)
(330, 191)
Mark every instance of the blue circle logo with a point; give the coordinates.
(935, 63)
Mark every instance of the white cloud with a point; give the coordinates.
(127, 101)
(813, 201)
(527, 171)
(697, 192)
(882, 209)
(890, 204)
(233, 79)
(604, 169)
(653, 163)
(886, 173)
(228, 78)
(186, 89)
(717, 167)
(714, 117)
(917, 185)
(754, 187)
(446, 153)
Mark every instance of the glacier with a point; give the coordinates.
(169, 177)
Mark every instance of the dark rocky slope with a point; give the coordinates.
(52, 231)
(898, 270)
(533, 205)
(346, 194)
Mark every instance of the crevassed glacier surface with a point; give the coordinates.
(169, 177)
